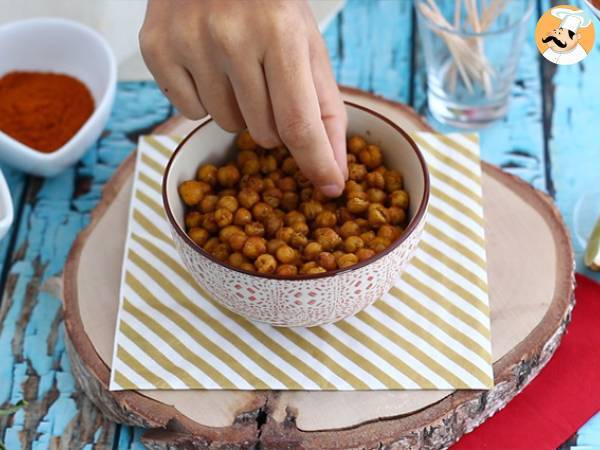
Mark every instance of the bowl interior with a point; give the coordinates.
(207, 143)
(57, 45)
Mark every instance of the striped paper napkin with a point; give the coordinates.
(431, 331)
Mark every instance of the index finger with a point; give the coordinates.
(298, 116)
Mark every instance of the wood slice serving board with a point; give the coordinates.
(530, 265)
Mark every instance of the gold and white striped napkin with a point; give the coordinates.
(431, 331)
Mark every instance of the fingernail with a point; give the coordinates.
(331, 190)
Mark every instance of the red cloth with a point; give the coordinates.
(561, 398)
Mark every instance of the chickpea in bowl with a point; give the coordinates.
(257, 236)
(258, 212)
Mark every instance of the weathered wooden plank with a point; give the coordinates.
(516, 143)
(574, 148)
(33, 361)
(370, 45)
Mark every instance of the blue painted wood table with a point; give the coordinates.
(547, 139)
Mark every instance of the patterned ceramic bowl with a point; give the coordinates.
(305, 300)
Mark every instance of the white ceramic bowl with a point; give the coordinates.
(61, 46)
(6, 207)
(305, 300)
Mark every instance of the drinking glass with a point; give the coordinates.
(471, 50)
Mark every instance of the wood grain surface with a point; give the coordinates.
(546, 139)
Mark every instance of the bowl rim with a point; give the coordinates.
(418, 218)
(104, 102)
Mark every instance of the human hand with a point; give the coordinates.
(260, 64)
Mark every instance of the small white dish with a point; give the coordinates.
(60, 46)
(6, 207)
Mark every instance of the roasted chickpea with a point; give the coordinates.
(352, 244)
(364, 254)
(375, 180)
(272, 224)
(253, 182)
(208, 203)
(280, 153)
(347, 260)
(276, 175)
(245, 142)
(285, 234)
(209, 222)
(265, 263)
(371, 156)
(367, 236)
(396, 215)
(328, 238)
(343, 215)
(294, 216)
(287, 270)
(314, 270)
(351, 158)
(228, 231)
(289, 166)
(300, 227)
(198, 235)
(268, 164)
(221, 251)
(254, 247)
(228, 176)
(236, 259)
(352, 186)
(286, 254)
(246, 155)
(211, 244)
(318, 196)
(357, 205)
(376, 195)
(208, 174)
(254, 229)
(378, 244)
(357, 194)
(272, 197)
(325, 219)
(311, 209)
(327, 261)
(268, 184)
(289, 201)
(356, 144)
(286, 184)
(308, 266)
(241, 217)
(223, 217)
(362, 223)
(399, 199)
(247, 266)
(237, 240)
(191, 192)
(301, 180)
(227, 193)
(192, 219)
(357, 172)
(312, 250)
(250, 167)
(393, 180)
(261, 210)
(228, 202)
(298, 240)
(349, 228)
(306, 194)
(388, 232)
(273, 245)
(377, 215)
(248, 197)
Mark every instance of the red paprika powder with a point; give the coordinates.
(43, 110)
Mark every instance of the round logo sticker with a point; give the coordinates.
(565, 35)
